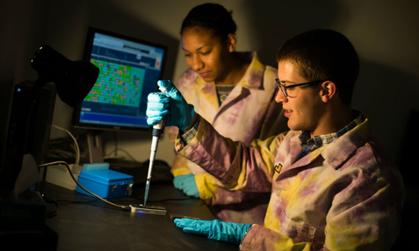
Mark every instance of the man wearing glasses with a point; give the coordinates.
(331, 189)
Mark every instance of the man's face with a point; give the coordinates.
(304, 108)
(204, 53)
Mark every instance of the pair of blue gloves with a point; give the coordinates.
(169, 105)
(214, 229)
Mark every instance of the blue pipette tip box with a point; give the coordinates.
(106, 183)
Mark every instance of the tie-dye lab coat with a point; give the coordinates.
(247, 113)
(342, 196)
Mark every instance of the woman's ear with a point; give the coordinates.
(231, 42)
(327, 90)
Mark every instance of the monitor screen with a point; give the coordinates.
(129, 70)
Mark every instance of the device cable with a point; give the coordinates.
(76, 145)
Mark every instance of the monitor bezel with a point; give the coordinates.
(86, 56)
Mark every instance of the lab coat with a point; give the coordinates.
(341, 196)
(248, 112)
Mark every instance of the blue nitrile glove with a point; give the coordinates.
(214, 229)
(186, 183)
(157, 107)
(171, 103)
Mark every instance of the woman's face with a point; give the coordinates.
(205, 53)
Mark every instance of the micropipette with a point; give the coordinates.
(157, 129)
(142, 208)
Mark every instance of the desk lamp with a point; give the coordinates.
(30, 111)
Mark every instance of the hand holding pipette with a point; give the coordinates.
(165, 108)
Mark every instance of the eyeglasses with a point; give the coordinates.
(287, 88)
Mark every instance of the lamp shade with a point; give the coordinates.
(73, 79)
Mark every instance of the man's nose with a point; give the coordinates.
(280, 97)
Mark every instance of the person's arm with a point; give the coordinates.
(207, 186)
(364, 214)
(234, 164)
(180, 167)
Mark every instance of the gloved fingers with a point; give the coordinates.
(188, 222)
(157, 106)
(154, 120)
(184, 222)
(192, 193)
(165, 85)
(214, 229)
(155, 113)
(181, 180)
(178, 182)
(201, 226)
(186, 183)
(157, 103)
(157, 97)
(190, 189)
(193, 226)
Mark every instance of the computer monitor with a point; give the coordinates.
(129, 70)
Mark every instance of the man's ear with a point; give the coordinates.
(327, 90)
(231, 42)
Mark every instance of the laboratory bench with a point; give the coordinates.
(85, 223)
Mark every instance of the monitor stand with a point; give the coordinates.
(95, 147)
